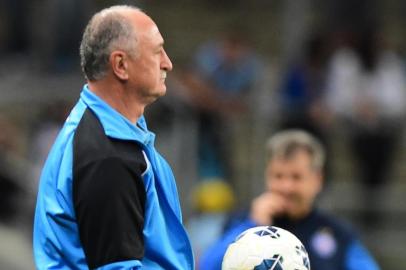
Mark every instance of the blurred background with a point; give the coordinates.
(242, 70)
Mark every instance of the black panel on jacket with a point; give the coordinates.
(108, 194)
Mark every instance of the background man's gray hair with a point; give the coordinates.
(286, 143)
(108, 30)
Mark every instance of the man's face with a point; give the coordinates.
(296, 181)
(148, 69)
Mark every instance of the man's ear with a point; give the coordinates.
(119, 64)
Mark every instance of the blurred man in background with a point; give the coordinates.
(221, 82)
(293, 181)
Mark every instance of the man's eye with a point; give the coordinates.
(296, 176)
(277, 176)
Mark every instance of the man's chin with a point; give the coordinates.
(291, 213)
(154, 96)
(158, 92)
(161, 91)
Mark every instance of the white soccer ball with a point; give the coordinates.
(266, 248)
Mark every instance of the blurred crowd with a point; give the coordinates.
(345, 84)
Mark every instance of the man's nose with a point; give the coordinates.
(288, 185)
(166, 63)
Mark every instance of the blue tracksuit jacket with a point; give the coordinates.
(107, 199)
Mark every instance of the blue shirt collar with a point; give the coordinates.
(115, 124)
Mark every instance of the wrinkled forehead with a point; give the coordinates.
(154, 32)
(145, 26)
(301, 158)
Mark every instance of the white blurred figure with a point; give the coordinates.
(366, 90)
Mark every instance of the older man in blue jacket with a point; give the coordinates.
(107, 199)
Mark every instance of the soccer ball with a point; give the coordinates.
(266, 248)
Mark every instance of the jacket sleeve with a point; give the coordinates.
(213, 257)
(109, 199)
(358, 257)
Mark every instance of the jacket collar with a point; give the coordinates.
(115, 125)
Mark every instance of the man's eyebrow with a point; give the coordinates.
(160, 45)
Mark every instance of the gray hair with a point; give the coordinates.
(285, 144)
(108, 30)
